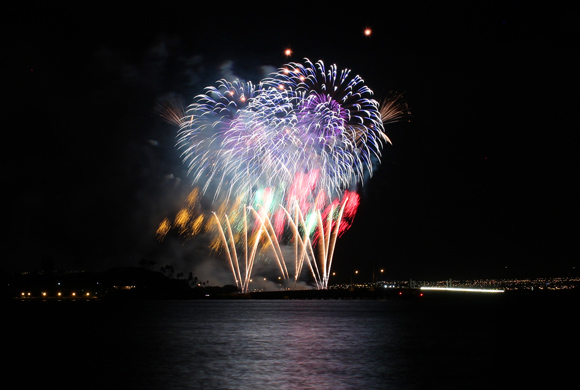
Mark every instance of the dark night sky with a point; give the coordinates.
(484, 176)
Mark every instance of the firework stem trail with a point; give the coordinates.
(220, 229)
(306, 245)
(253, 256)
(271, 234)
(233, 244)
(333, 243)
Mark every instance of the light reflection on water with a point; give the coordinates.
(464, 343)
(275, 344)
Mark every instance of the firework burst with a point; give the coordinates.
(281, 160)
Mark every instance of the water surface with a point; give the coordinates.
(458, 343)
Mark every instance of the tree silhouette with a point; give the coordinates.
(168, 271)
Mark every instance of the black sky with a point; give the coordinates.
(484, 176)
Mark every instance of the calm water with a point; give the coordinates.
(460, 342)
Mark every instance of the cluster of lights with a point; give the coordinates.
(44, 294)
(560, 283)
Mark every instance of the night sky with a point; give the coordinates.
(482, 182)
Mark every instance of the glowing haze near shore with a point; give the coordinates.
(281, 162)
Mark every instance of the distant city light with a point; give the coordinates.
(462, 289)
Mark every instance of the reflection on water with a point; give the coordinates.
(286, 344)
(271, 344)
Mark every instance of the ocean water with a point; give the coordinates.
(437, 342)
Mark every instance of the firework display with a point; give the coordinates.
(281, 162)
